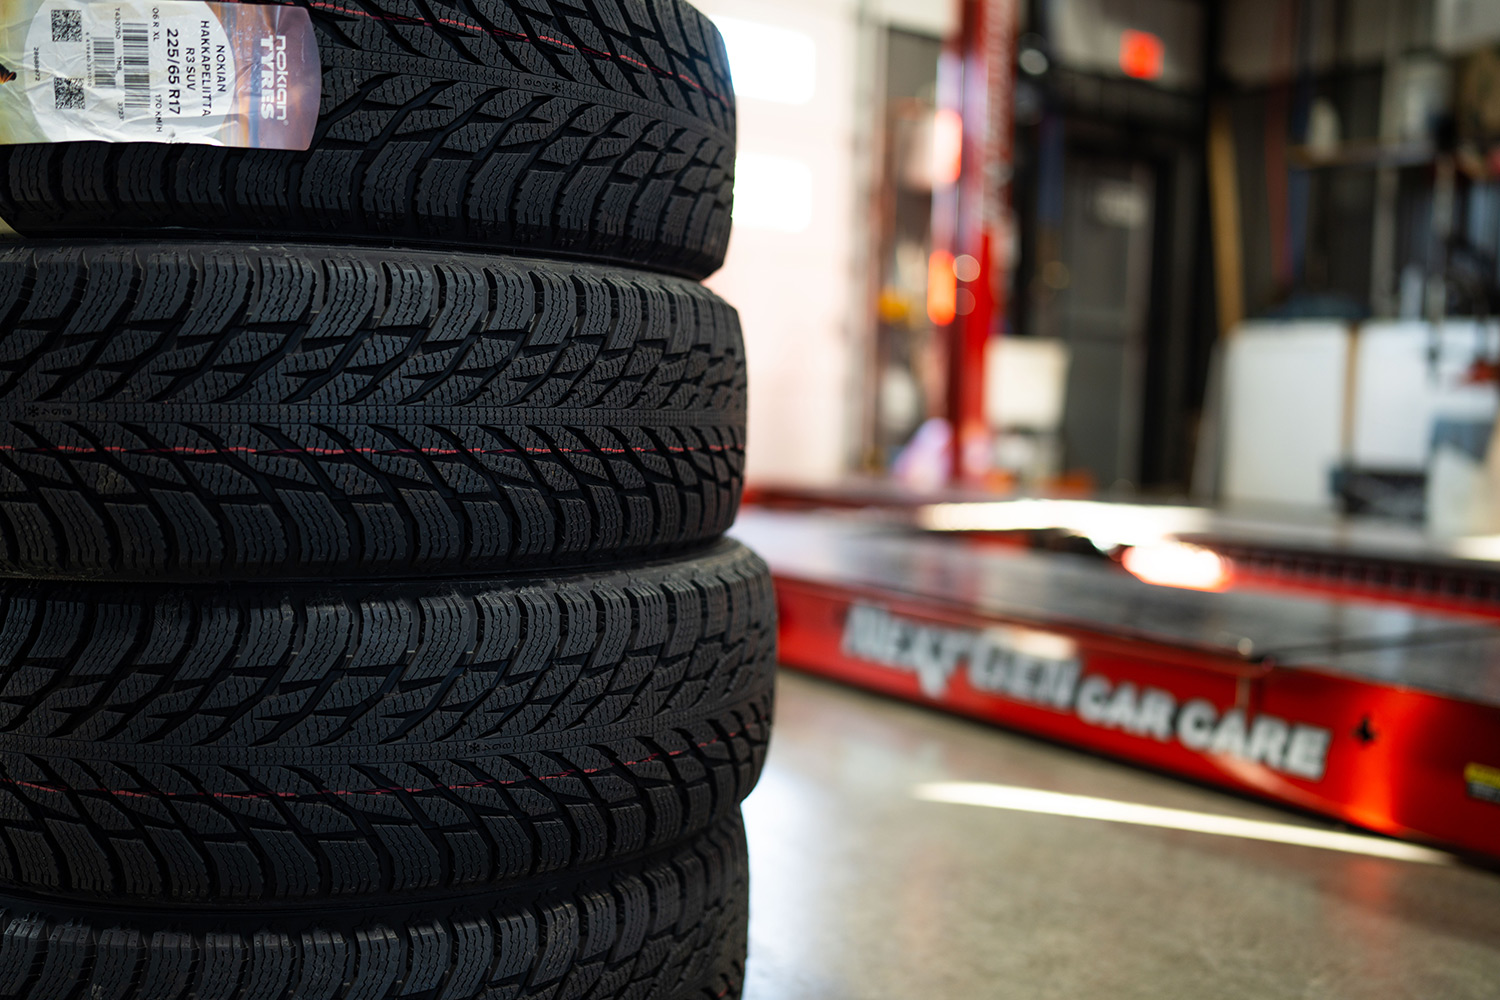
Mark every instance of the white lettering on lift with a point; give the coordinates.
(1041, 669)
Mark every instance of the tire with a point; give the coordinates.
(178, 412)
(600, 129)
(255, 743)
(669, 927)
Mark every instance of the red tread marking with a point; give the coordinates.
(344, 452)
(516, 36)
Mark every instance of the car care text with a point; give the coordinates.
(1054, 678)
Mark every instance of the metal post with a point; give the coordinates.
(971, 221)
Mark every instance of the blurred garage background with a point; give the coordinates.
(1196, 300)
(1241, 251)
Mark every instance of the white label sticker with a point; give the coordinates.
(223, 74)
(134, 72)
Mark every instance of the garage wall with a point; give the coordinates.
(789, 269)
(796, 266)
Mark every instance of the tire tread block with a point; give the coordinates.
(318, 411)
(550, 126)
(606, 933)
(263, 742)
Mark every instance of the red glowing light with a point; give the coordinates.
(942, 288)
(1141, 55)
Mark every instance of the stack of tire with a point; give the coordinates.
(366, 628)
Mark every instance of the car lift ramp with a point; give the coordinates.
(1269, 548)
(1382, 716)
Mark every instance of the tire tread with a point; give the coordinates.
(554, 126)
(286, 742)
(178, 411)
(671, 927)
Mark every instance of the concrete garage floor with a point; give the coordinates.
(862, 892)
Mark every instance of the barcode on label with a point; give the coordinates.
(67, 95)
(104, 63)
(135, 44)
(67, 25)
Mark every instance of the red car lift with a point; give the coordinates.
(1297, 552)
(1381, 716)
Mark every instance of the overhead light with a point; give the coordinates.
(769, 62)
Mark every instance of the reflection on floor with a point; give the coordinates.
(864, 891)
